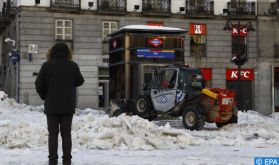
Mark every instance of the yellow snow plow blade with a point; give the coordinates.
(209, 93)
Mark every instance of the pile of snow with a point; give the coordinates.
(128, 132)
(23, 126)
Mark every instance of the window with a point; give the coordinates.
(108, 27)
(197, 45)
(238, 45)
(197, 40)
(63, 29)
(166, 80)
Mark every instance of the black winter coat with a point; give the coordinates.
(56, 84)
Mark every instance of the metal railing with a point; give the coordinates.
(69, 4)
(194, 7)
(112, 5)
(273, 8)
(158, 6)
(237, 7)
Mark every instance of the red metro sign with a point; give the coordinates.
(155, 42)
(246, 74)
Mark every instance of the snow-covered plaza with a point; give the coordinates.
(131, 140)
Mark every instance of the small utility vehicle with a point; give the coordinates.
(180, 91)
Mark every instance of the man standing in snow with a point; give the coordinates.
(56, 84)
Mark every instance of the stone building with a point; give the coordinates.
(36, 25)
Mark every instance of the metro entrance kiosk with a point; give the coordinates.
(136, 52)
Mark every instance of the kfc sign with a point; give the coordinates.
(243, 31)
(246, 74)
(197, 29)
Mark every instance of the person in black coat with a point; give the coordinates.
(56, 85)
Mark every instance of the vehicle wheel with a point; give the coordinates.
(192, 119)
(142, 107)
(152, 115)
(233, 120)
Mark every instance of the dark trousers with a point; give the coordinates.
(64, 124)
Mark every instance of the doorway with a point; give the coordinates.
(246, 101)
(276, 89)
(103, 92)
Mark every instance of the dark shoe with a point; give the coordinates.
(67, 162)
(52, 162)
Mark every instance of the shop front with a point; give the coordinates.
(245, 86)
(276, 89)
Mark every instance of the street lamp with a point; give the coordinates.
(239, 58)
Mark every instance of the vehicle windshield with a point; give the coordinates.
(190, 80)
(166, 79)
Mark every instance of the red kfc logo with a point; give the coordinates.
(199, 29)
(246, 74)
(242, 31)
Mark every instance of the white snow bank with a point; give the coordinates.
(128, 132)
(24, 126)
(253, 129)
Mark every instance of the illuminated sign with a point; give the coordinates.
(246, 74)
(197, 29)
(147, 53)
(241, 30)
(155, 42)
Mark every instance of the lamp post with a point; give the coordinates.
(239, 58)
(13, 59)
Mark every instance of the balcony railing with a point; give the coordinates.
(194, 7)
(161, 7)
(114, 6)
(241, 8)
(65, 4)
(7, 14)
(273, 8)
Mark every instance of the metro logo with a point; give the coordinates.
(246, 74)
(155, 42)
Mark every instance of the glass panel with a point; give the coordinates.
(68, 23)
(68, 31)
(59, 37)
(114, 25)
(106, 25)
(59, 30)
(68, 37)
(113, 30)
(59, 23)
(106, 32)
(166, 80)
(197, 45)
(238, 43)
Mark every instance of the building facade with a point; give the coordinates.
(35, 26)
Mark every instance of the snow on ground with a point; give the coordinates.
(98, 139)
